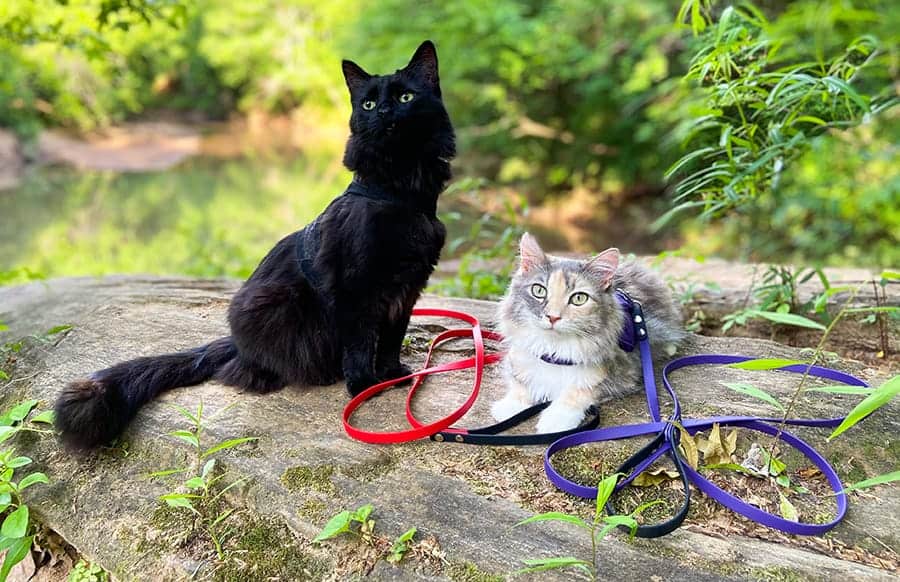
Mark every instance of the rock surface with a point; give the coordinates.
(304, 469)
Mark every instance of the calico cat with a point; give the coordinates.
(561, 323)
(333, 300)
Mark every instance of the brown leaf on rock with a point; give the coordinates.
(653, 477)
(715, 449)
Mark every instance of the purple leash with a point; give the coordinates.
(666, 438)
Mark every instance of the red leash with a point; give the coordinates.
(418, 429)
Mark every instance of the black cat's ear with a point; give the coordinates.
(530, 253)
(603, 267)
(424, 64)
(355, 76)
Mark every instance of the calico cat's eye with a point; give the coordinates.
(368, 105)
(578, 298)
(406, 97)
(538, 291)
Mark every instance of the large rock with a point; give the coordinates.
(463, 500)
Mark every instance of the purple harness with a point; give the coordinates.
(667, 437)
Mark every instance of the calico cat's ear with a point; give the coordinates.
(603, 267)
(530, 253)
(354, 75)
(424, 63)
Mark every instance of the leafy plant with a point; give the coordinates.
(766, 95)
(87, 572)
(16, 532)
(488, 249)
(201, 493)
(598, 528)
(358, 523)
(874, 398)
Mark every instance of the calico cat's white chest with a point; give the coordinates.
(546, 381)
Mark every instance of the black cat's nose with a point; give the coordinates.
(383, 110)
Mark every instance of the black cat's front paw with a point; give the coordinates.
(397, 371)
(357, 384)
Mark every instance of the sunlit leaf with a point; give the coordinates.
(229, 444)
(17, 552)
(32, 479)
(755, 392)
(15, 525)
(789, 319)
(555, 516)
(766, 364)
(787, 509)
(878, 398)
(879, 480)
(337, 525)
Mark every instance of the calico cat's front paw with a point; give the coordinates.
(357, 384)
(507, 407)
(559, 418)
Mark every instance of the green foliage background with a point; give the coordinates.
(548, 96)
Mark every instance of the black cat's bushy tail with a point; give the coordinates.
(93, 411)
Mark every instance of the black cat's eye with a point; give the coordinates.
(578, 298)
(368, 105)
(538, 291)
(406, 97)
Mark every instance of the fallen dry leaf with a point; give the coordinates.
(654, 477)
(716, 450)
(688, 446)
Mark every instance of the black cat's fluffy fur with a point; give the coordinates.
(332, 300)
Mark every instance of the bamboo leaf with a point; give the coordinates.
(604, 490)
(840, 389)
(789, 319)
(766, 364)
(555, 516)
(542, 564)
(229, 444)
(879, 480)
(787, 509)
(878, 398)
(755, 392)
(187, 436)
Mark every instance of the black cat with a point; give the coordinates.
(331, 300)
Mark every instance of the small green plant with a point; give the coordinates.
(86, 572)
(358, 523)
(598, 528)
(16, 531)
(201, 494)
(488, 249)
(874, 399)
(777, 299)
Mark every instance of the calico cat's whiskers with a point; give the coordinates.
(578, 295)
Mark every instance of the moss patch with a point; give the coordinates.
(775, 574)
(313, 510)
(265, 549)
(317, 478)
(381, 465)
(469, 572)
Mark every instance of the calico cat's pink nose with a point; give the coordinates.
(553, 319)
